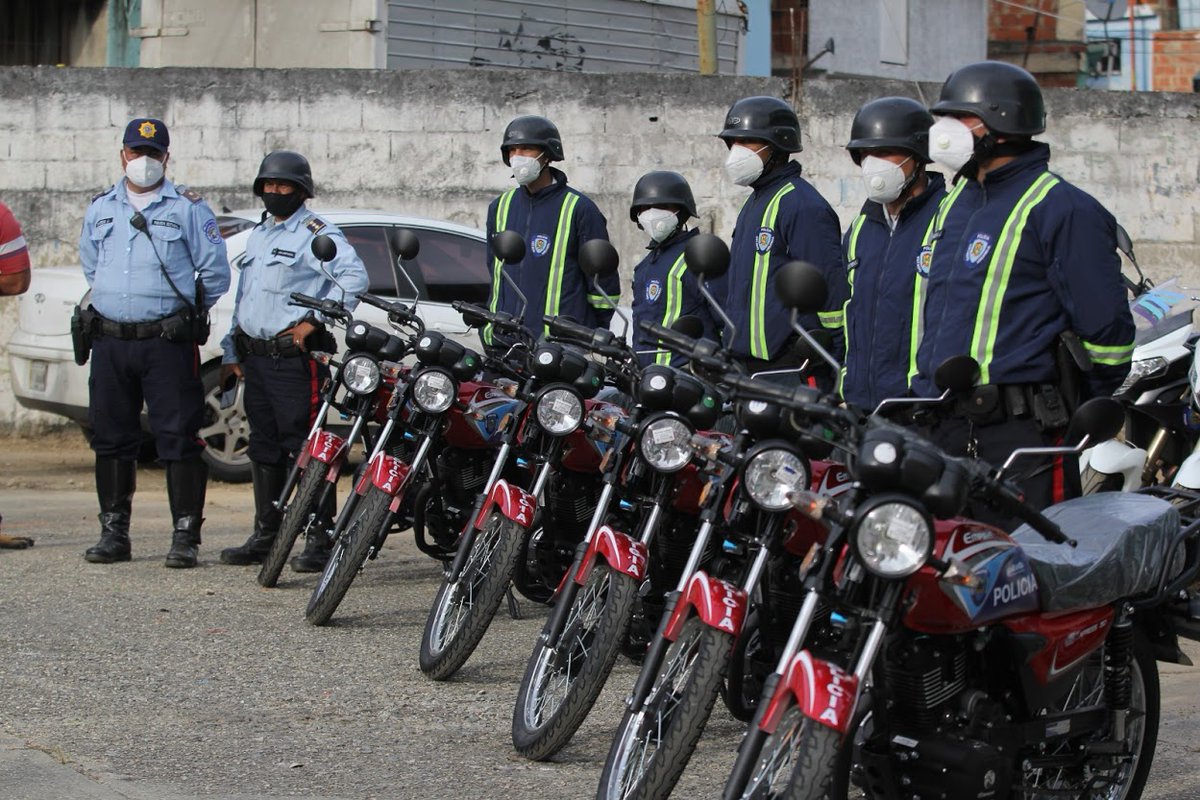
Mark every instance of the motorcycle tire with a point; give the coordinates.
(462, 611)
(298, 517)
(348, 555)
(589, 645)
(797, 761)
(698, 658)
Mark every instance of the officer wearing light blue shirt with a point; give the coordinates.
(145, 246)
(269, 341)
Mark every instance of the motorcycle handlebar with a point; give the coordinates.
(397, 312)
(1007, 499)
(330, 308)
(503, 321)
(599, 340)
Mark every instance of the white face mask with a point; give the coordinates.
(951, 143)
(525, 168)
(658, 222)
(885, 180)
(144, 171)
(742, 165)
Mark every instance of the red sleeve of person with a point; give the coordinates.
(14, 255)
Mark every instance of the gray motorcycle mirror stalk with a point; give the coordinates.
(1125, 245)
(802, 288)
(325, 250)
(407, 246)
(510, 248)
(1097, 420)
(598, 258)
(707, 257)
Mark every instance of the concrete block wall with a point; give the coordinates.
(427, 142)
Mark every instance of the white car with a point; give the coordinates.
(450, 266)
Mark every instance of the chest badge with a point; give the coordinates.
(764, 240)
(977, 251)
(924, 259)
(653, 291)
(540, 244)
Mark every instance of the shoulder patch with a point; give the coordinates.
(99, 194)
(212, 232)
(314, 224)
(189, 193)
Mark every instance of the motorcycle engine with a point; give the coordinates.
(935, 768)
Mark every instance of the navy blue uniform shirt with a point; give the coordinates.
(664, 291)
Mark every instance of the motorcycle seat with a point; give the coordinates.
(1124, 543)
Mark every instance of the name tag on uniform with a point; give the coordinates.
(166, 223)
(105, 221)
(285, 253)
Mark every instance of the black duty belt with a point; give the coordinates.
(128, 330)
(282, 346)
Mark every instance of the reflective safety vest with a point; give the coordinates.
(664, 291)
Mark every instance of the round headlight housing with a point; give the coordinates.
(892, 538)
(666, 444)
(773, 475)
(559, 411)
(434, 391)
(360, 374)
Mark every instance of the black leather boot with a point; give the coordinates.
(316, 544)
(115, 483)
(187, 483)
(268, 483)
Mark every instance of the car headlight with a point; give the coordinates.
(559, 411)
(361, 374)
(1145, 368)
(666, 444)
(893, 539)
(772, 475)
(434, 391)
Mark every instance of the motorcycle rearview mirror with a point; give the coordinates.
(801, 286)
(707, 257)
(689, 325)
(325, 249)
(804, 351)
(406, 245)
(1097, 420)
(599, 259)
(957, 374)
(1125, 245)
(509, 247)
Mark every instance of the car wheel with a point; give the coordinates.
(225, 431)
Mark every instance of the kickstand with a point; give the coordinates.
(514, 609)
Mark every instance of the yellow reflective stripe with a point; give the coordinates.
(855, 227)
(1110, 354)
(758, 285)
(558, 260)
(674, 304)
(498, 264)
(933, 235)
(831, 319)
(598, 301)
(995, 285)
(851, 271)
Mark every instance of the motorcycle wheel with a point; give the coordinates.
(651, 748)
(797, 761)
(1129, 774)
(561, 684)
(298, 517)
(1093, 481)
(348, 555)
(462, 611)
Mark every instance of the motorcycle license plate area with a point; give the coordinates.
(37, 375)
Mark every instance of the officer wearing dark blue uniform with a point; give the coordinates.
(155, 261)
(784, 219)
(889, 142)
(663, 289)
(555, 220)
(1020, 261)
(270, 339)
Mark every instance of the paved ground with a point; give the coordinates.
(134, 681)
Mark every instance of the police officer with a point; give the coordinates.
(1019, 259)
(555, 220)
(269, 341)
(155, 261)
(784, 219)
(889, 143)
(663, 289)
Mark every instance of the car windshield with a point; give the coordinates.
(1165, 308)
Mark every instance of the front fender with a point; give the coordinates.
(513, 502)
(823, 691)
(385, 472)
(717, 603)
(1115, 457)
(323, 446)
(619, 550)
(1188, 474)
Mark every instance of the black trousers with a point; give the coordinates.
(1044, 480)
(281, 397)
(163, 375)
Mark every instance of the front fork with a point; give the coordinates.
(301, 458)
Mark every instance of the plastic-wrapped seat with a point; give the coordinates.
(1124, 543)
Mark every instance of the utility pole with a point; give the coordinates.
(706, 35)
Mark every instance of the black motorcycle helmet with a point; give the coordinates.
(285, 165)
(662, 188)
(532, 130)
(1006, 97)
(766, 118)
(900, 123)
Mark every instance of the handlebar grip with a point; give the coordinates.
(301, 299)
(568, 328)
(1007, 501)
(684, 344)
(380, 303)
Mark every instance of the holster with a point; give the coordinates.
(82, 320)
(1072, 361)
(200, 322)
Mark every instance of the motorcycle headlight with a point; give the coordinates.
(434, 391)
(559, 411)
(666, 444)
(360, 374)
(772, 475)
(893, 539)
(1145, 368)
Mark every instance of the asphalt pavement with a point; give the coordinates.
(136, 682)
